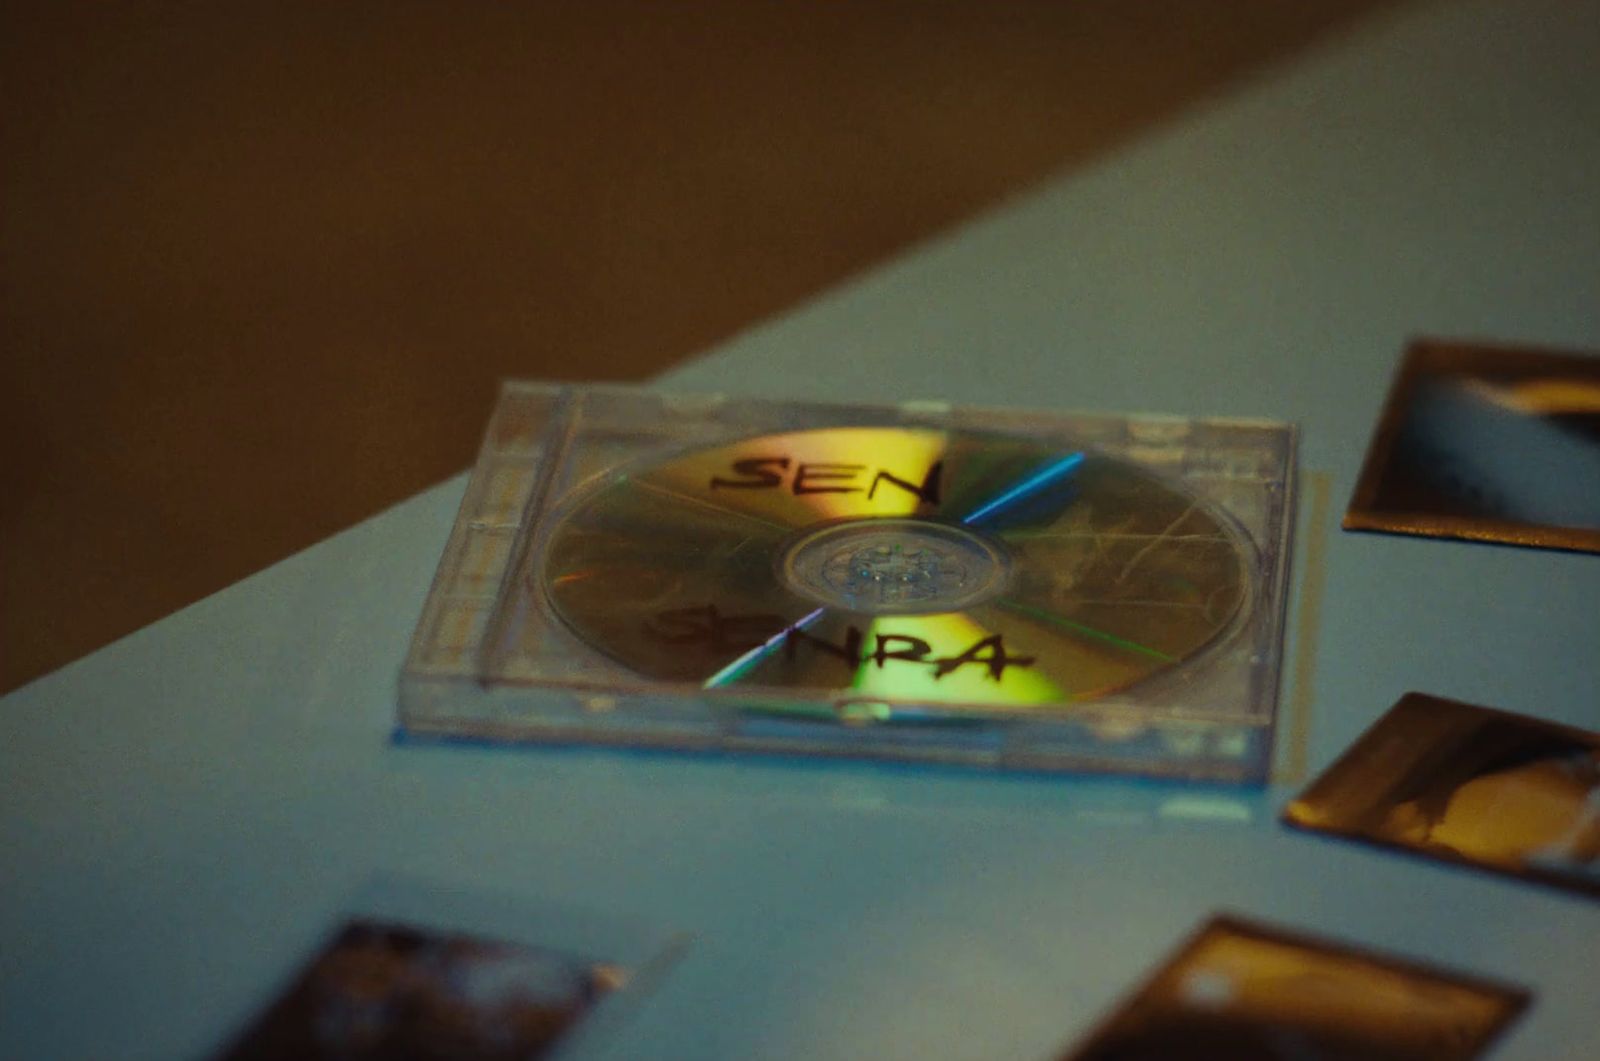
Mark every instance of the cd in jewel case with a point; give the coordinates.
(916, 581)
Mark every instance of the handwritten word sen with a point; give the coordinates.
(811, 477)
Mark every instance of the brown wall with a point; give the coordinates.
(260, 265)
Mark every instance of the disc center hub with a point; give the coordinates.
(894, 566)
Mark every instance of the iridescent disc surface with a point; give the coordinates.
(894, 563)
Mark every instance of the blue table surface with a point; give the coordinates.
(182, 812)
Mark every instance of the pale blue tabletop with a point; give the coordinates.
(181, 812)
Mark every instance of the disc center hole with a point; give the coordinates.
(894, 566)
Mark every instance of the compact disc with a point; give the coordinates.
(905, 564)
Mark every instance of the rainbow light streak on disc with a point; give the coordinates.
(1050, 476)
(753, 658)
(1082, 630)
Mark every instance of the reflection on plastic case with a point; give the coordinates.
(920, 581)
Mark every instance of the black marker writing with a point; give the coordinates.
(708, 628)
(823, 477)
